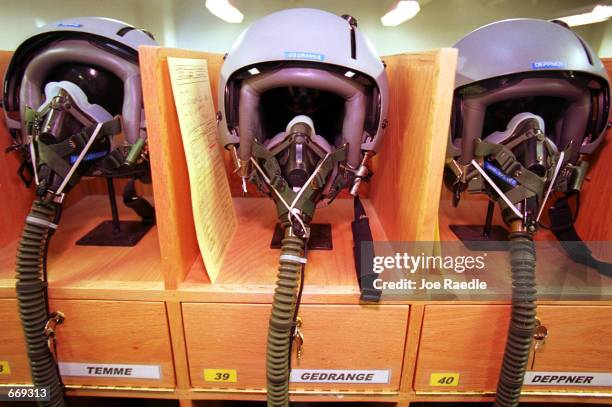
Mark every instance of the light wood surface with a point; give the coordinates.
(408, 168)
(250, 266)
(233, 336)
(468, 340)
(179, 349)
(415, 322)
(121, 332)
(15, 209)
(548, 398)
(577, 341)
(557, 276)
(12, 345)
(187, 403)
(168, 165)
(89, 267)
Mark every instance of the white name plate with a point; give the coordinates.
(339, 376)
(567, 379)
(110, 370)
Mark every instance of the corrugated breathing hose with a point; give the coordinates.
(280, 330)
(523, 320)
(32, 297)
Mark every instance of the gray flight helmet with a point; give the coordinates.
(304, 48)
(518, 65)
(107, 45)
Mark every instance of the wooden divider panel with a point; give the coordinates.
(16, 208)
(408, 168)
(178, 243)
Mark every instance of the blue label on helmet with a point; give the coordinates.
(73, 25)
(500, 174)
(304, 55)
(88, 157)
(548, 65)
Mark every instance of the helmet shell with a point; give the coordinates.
(527, 48)
(304, 34)
(107, 28)
(523, 45)
(118, 39)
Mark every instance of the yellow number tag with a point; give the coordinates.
(221, 375)
(4, 367)
(444, 379)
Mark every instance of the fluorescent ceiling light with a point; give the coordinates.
(403, 11)
(224, 10)
(600, 13)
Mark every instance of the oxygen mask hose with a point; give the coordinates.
(282, 318)
(31, 296)
(523, 317)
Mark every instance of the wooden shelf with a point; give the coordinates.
(89, 271)
(581, 281)
(248, 273)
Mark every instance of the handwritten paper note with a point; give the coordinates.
(213, 210)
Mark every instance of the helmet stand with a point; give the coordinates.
(320, 237)
(495, 236)
(116, 232)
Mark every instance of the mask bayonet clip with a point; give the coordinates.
(362, 172)
(240, 167)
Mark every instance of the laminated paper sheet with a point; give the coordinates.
(213, 210)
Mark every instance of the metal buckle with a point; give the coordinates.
(56, 318)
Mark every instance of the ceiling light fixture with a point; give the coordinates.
(597, 15)
(224, 10)
(403, 11)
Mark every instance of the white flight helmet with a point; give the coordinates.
(303, 62)
(99, 55)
